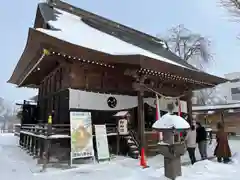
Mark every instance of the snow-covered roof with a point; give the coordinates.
(169, 121)
(216, 107)
(82, 34)
(79, 33)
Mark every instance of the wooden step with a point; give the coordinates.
(152, 145)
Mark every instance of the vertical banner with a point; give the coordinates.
(158, 116)
(81, 135)
(102, 142)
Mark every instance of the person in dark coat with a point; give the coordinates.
(201, 140)
(222, 150)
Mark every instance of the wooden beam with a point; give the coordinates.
(164, 90)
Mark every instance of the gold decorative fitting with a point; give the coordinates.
(46, 52)
(163, 75)
(82, 60)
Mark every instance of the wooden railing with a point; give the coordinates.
(49, 131)
(39, 140)
(135, 138)
(55, 131)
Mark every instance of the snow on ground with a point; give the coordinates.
(17, 164)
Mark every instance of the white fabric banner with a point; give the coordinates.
(98, 101)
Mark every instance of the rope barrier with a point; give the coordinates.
(165, 97)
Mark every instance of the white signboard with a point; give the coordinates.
(102, 142)
(123, 127)
(81, 135)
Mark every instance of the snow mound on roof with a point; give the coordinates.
(73, 29)
(169, 121)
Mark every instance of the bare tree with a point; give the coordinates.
(233, 7)
(19, 115)
(192, 48)
(203, 96)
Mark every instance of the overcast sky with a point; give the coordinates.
(152, 16)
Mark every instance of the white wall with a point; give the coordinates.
(233, 75)
(222, 94)
(225, 88)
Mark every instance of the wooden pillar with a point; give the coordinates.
(189, 107)
(141, 120)
(222, 117)
(137, 85)
(47, 143)
(118, 138)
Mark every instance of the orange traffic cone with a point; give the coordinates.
(143, 163)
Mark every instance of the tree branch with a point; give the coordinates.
(190, 47)
(233, 6)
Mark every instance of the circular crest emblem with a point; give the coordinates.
(112, 102)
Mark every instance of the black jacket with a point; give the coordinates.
(201, 134)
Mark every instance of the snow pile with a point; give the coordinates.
(208, 170)
(169, 121)
(16, 163)
(8, 139)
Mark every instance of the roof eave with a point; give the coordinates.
(38, 37)
(15, 75)
(161, 66)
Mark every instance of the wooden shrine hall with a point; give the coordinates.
(80, 61)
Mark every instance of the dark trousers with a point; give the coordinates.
(202, 146)
(225, 160)
(191, 152)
